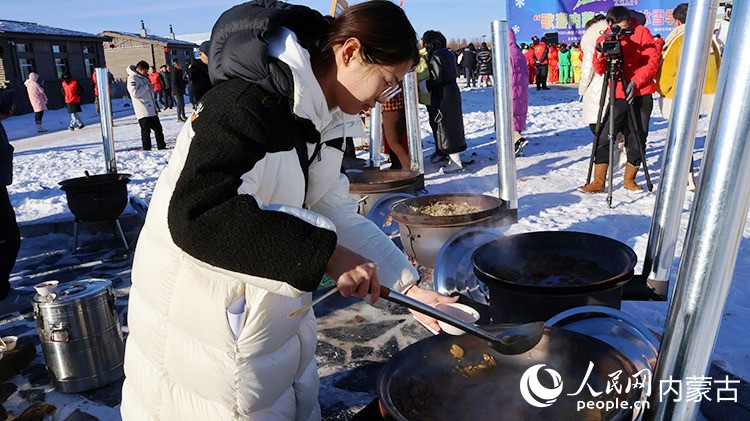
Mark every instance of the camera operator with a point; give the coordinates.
(631, 43)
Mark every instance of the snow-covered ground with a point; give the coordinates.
(553, 166)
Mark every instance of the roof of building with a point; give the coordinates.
(18, 27)
(152, 38)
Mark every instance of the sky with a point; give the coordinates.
(455, 19)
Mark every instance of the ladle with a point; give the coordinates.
(516, 340)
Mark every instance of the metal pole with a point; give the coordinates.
(105, 112)
(376, 130)
(719, 214)
(506, 158)
(665, 225)
(411, 108)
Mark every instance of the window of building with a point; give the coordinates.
(61, 67)
(89, 65)
(24, 48)
(174, 52)
(57, 48)
(27, 66)
(88, 49)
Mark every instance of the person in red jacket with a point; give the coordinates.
(529, 54)
(640, 59)
(541, 62)
(157, 83)
(72, 92)
(554, 70)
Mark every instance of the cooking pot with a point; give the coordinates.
(533, 276)
(371, 186)
(100, 197)
(425, 381)
(423, 235)
(79, 329)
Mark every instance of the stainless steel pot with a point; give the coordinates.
(80, 334)
(371, 186)
(424, 235)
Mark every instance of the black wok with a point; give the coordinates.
(423, 381)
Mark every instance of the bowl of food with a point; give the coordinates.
(459, 311)
(46, 288)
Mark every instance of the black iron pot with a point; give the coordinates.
(100, 197)
(372, 185)
(533, 276)
(425, 381)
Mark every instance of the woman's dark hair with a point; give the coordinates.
(386, 35)
(618, 14)
(433, 40)
(680, 13)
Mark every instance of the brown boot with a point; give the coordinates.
(629, 182)
(600, 176)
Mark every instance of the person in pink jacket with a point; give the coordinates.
(38, 99)
(519, 74)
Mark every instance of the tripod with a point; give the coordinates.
(614, 73)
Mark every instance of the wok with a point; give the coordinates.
(422, 381)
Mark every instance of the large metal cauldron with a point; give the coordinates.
(371, 186)
(424, 381)
(423, 235)
(80, 334)
(535, 275)
(100, 197)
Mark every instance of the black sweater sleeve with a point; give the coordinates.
(207, 217)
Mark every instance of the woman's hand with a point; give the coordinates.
(431, 298)
(354, 275)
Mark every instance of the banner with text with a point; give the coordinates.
(568, 17)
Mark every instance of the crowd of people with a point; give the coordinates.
(254, 183)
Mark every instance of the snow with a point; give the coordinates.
(14, 26)
(553, 166)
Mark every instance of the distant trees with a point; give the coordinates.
(456, 44)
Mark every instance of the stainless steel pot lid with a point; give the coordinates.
(380, 213)
(73, 291)
(614, 327)
(454, 271)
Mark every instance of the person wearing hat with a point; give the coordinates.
(199, 72)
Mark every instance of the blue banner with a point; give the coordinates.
(568, 17)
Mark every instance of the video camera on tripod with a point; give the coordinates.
(611, 45)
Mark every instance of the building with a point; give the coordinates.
(27, 47)
(122, 49)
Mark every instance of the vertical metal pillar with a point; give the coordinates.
(714, 231)
(665, 225)
(506, 158)
(105, 112)
(411, 108)
(376, 135)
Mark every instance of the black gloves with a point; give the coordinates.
(630, 92)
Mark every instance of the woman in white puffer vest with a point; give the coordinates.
(252, 211)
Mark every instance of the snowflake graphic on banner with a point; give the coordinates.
(516, 28)
(520, 3)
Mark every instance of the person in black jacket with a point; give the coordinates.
(469, 64)
(445, 112)
(178, 83)
(484, 65)
(166, 77)
(10, 236)
(199, 72)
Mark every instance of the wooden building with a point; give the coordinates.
(122, 49)
(27, 47)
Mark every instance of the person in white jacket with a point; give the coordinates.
(139, 88)
(252, 210)
(38, 100)
(590, 85)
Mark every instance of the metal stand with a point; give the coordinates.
(118, 229)
(614, 73)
